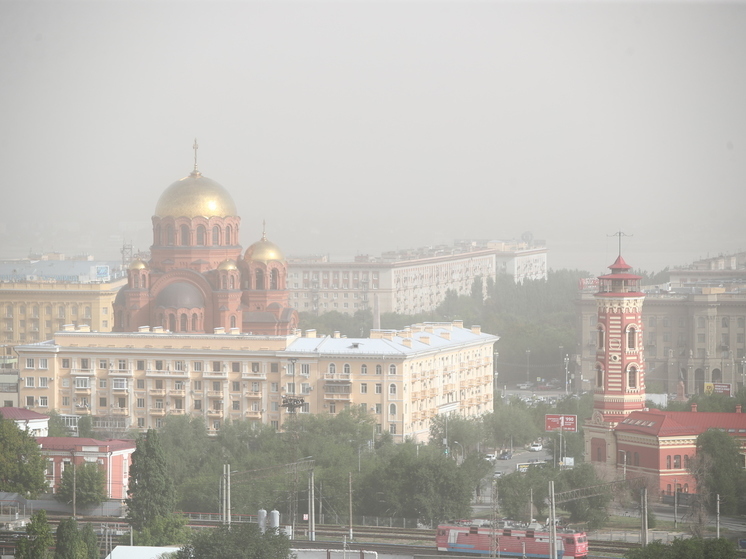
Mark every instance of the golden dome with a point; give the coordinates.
(138, 264)
(263, 251)
(227, 265)
(195, 196)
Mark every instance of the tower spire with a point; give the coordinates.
(619, 234)
(264, 229)
(195, 147)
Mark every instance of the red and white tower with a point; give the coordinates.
(619, 384)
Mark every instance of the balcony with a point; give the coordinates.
(120, 412)
(254, 395)
(120, 372)
(253, 414)
(215, 413)
(340, 377)
(177, 411)
(214, 393)
(254, 376)
(337, 397)
(157, 411)
(157, 392)
(82, 372)
(177, 392)
(82, 390)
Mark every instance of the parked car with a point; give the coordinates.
(491, 456)
(506, 455)
(536, 447)
(524, 386)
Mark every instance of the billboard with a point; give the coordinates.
(560, 422)
(717, 388)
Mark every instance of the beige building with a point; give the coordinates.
(402, 378)
(409, 281)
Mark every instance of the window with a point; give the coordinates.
(274, 387)
(216, 386)
(332, 368)
(379, 370)
(600, 342)
(392, 428)
(378, 408)
(159, 365)
(29, 363)
(141, 384)
(159, 384)
(82, 382)
(43, 363)
(43, 382)
(255, 387)
(668, 462)
(631, 338)
(216, 366)
(236, 367)
(236, 386)
(119, 384)
(179, 385)
(392, 369)
(379, 388)
(65, 363)
(236, 405)
(122, 364)
(30, 401)
(255, 367)
(332, 408)
(632, 377)
(198, 385)
(140, 422)
(392, 389)
(346, 368)
(102, 383)
(102, 402)
(198, 404)
(140, 365)
(29, 382)
(159, 404)
(141, 402)
(103, 364)
(677, 461)
(65, 401)
(197, 366)
(363, 388)
(392, 409)
(274, 406)
(179, 365)
(363, 369)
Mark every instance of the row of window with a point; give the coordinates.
(61, 311)
(201, 237)
(160, 365)
(347, 369)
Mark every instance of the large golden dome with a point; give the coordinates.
(263, 251)
(195, 196)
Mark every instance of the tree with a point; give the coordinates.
(89, 480)
(22, 466)
(150, 490)
(57, 426)
(690, 548)
(238, 541)
(85, 426)
(69, 544)
(164, 530)
(88, 535)
(38, 539)
(717, 469)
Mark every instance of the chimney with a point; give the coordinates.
(311, 333)
(738, 408)
(458, 323)
(143, 328)
(219, 330)
(446, 335)
(407, 342)
(376, 334)
(425, 340)
(476, 330)
(157, 329)
(694, 407)
(336, 334)
(234, 331)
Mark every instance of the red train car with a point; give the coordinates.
(513, 540)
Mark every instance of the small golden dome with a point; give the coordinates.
(227, 265)
(138, 264)
(195, 196)
(263, 251)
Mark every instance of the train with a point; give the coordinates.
(511, 539)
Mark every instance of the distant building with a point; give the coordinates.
(134, 380)
(34, 423)
(409, 281)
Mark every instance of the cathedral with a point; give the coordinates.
(198, 279)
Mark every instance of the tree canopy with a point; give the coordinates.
(717, 468)
(89, 480)
(151, 492)
(689, 548)
(237, 541)
(38, 540)
(22, 465)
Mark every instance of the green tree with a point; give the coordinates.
(22, 466)
(717, 469)
(150, 490)
(57, 426)
(85, 426)
(88, 535)
(689, 548)
(38, 539)
(238, 541)
(164, 530)
(69, 544)
(89, 481)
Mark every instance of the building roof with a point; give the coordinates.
(195, 196)
(682, 423)
(75, 443)
(139, 552)
(22, 414)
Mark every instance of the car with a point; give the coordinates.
(498, 474)
(491, 456)
(524, 386)
(505, 455)
(536, 447)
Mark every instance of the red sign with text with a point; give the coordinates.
(561, 422)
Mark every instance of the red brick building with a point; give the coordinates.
(113, 456)
(623, 437)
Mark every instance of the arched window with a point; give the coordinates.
(231, 282)
(599, 456)
(9, 311)
(61, 311)
(392, 409)
(379, 370)
(392, 369)
(157, 235)
(35, 311)
(599, 376)
(184, 234)
(363, 369)
(48, 310)
(274, 282)
(637, 459)
(346, 368)
(172, 322)
(668, 462)
(228, 235)
(632, 377)
(631, 338)
(169, 235)
(184, 324)
(195, 322)
(215, 236)
(332, 368)
(725, 322)
(120, 322)
(136, 282)
(144, 281)
(223, 282)
(601, 337)
(233, 321)
(259, 279)
(200, 235)
(392, 389)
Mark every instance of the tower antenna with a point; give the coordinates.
(195, 147)
(620, 234)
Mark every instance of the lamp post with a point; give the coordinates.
(624, 462)
(462, 450)
(675, 503)
(567, 365)
(528, 366)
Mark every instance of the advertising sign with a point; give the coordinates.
(717, 388)
(561, 422)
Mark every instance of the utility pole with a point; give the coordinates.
(718, 516)
(75, 488)
(350, 482)
(644, 515)
(675, 504)
(552, 524)
(312, 508)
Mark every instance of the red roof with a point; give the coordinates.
(620, 264)
(75, 443)
(682, 423)
(21, 414)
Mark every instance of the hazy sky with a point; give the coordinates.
(359, 127)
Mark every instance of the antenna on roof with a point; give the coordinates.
(620, 234)
(195, 147)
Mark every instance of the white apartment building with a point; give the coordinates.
(408, 282)
(402, 378)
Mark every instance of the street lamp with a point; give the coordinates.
(528, 366)
(567, 363)
(624, 459)
(462, 450)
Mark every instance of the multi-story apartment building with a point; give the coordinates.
(694, 335)
(410, 281)
(402, 378)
